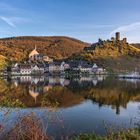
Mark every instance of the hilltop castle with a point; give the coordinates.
(116, 42)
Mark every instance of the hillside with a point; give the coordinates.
(18, 48)
(137, 45)
(113, 55)
(110, 54)
(3, 62)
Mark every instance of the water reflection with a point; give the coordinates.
(62, 92)
(83, 103)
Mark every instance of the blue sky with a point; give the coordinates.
(86, 20)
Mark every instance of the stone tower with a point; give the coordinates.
(124, 40)
(118, 36)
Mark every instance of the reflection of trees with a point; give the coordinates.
(114, 93)
(20, 92)
(109, 97)
(3, 87)
(60, 96)
(109, 92)
(51, 94)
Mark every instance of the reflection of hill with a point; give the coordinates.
(114, 93)
(109, 92)
(32, 96)
(3, 86)
(63, 96)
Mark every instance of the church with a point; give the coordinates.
(38, 64)
(35, 56)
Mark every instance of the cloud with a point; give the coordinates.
(131, 31)
(86, 26)
(8, 21)
(12, 15)
(127, 28)
(102, 26)
(12, 21)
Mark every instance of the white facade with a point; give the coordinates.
(54, 68)
(25, 71)
(83, 69)
(38, 70)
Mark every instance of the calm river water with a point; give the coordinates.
(73, 106)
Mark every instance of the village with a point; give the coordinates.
(38, 64)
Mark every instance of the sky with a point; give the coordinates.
(87, 20)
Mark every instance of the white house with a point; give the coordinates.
(97, 70)
(55, 67)
(25, 69)
(15, 70)
(64, 66)
(38, 69)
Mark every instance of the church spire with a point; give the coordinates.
(34, 52)
(35, 48)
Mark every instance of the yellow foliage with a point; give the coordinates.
(3, 62)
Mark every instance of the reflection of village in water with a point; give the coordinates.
(101, 90)
(40, 85)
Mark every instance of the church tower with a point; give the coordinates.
(35, 56)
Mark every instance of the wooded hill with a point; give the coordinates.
(114, 56)
(137, 45)
(3, 62)
(18, 48)
(108, 54)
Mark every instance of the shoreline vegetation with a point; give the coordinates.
(130, 134)
(30, 127)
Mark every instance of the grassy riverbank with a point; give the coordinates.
(131, 134)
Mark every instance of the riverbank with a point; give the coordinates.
(130, 134)
(32, 128)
